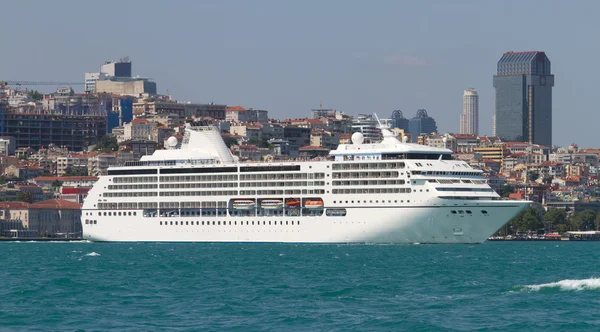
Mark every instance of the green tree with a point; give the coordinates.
(2, 179)
(585, 220)
(35, 95)
(598, 221)
(229, 141)
(531, 219)
(508, 189)
(532, 175)
(56, 184)
(26, 197)
(76, 171)
(548, 179)
(555, 218)
(108, 143)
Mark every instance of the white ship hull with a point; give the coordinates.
(408, 224)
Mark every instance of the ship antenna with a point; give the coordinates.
(377, 118)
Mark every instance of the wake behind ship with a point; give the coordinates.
(387, 192)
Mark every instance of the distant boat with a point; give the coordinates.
(244, 204)
(272, 204)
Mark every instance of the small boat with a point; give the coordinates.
(292, 202)
(244, 204)
(309, 204)
(272, 204)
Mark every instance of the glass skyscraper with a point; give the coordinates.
(421, 124)
(523, 111)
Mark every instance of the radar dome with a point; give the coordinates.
(358, 138)
(405, 139)
(172, 141)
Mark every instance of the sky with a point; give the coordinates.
(289, 56)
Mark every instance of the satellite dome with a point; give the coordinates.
(358, 138)
(172, 141)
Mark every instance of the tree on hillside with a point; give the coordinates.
(508, 189)
(532, 175)
(554, 218)
(585, 220)
(598, 221)
(35, 95)
(56, 184)
(548, 179)
(531, 219)
(76, 171)
(26, 197)
(108, 143)
(229, 141)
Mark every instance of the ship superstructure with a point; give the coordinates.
(386, 192)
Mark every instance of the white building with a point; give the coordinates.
(138, 129)
(469, 119)
(7, 145)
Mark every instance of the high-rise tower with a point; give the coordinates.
(523, 110)
(469, 119)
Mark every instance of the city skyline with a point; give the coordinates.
(354, 63)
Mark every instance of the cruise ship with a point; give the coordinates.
(385, 192)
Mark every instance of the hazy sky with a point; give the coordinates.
(287, 56)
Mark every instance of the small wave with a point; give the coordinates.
(93, 254)
(567, 285)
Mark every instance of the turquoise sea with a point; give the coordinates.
(503, 286)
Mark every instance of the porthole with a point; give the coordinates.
(484, 211)
(171, 223)
(160, 223)
(176, 223)
(453, 212)
(468, 211)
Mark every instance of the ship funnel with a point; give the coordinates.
(204, 135)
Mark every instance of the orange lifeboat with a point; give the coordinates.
(313, 204)
(292, 202)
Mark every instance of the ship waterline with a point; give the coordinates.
(418, 224)
(388, 192)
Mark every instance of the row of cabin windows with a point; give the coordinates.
(445, 173)
(199, 185)
(283, 184)
(370, 201)
(132, 186)
(135, 179)
(282, 176)
(372, 191)
(465, 189)
(196, 178)
(282, 192)
(364, 175)
(118, 213)
(132, 194)
(467, 212)
(200, 193)
(368, 182)
(353, 166)
(231, 223)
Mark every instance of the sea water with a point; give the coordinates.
(525, 286)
